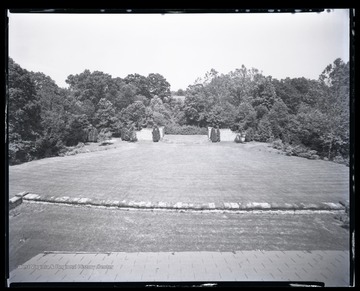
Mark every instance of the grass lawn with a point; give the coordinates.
(186, 169)
(63, 228)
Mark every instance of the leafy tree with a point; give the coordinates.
(24, 114)
(279, 119)
(76, 130)
(180, 92)
(336, 78)
(140, 84)
(123, 94)
(195, 106)
(53, 103)
(263, 92)
(288, 94)
(222, 115)
(264, 130)
(160, 114)
(311, 124)
(261, 111)
(134, 113)
(90, 86)
(240, 84)
(158, 87)
(105, 115)
(246, 117)
(142, 99)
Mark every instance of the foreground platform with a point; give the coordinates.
(329, 267)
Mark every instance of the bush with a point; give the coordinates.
(341, 160)
(133, 137)
(249, 134)
(104, 135)
(76, 130)
(156, 134)
(304, 155)
(21, 152)
(278, 144)
(300, 151)
(125, 134)
(218, 135)
(213, 135)
(238, 138)
(185, 130)
(80, 145)
(93, 134)
(47, 146)
(264, 132)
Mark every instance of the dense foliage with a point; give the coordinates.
(185, 130)
(298, 114)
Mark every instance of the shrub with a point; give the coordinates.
(125, 134)
(300, 151)
(104, 135)
(21, 151)
(213, 135)
(278, 144)
(341, 160)
(218, 135)
(304, 155)
(48, 146)
(249, 134)
(156, 134)
(80, 145)
(76, 130)
(133, 137)
(93, 135)
(264, 132)
(238, 138)
(289, 150)
(185, 130)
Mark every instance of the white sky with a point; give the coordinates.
(180, 47)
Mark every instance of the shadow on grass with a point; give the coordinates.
(105, 143)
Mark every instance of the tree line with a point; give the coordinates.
(299, 115)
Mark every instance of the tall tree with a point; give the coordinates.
(134, 114)
(91, 86)
(52, 101)
(336, 78)
(24, 114)
(140, 84)
(105, 115)
(159, 87)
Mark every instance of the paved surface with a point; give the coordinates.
(189, 172)
(329, 267)
(35, 228)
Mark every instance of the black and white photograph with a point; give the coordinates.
(180, 148)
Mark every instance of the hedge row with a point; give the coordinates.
(185, 130)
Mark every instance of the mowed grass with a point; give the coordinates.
(186, 169)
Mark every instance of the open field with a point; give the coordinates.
(184, 168)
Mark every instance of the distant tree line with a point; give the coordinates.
(295, 113)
